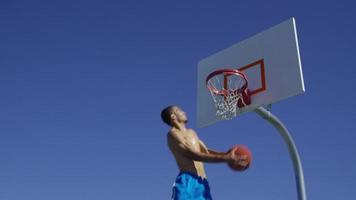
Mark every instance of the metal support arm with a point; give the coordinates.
(267, 115)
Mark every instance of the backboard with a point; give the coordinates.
(271, 62)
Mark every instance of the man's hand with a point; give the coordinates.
(230, 156)
(235, 159)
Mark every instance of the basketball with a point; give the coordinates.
(241, 150)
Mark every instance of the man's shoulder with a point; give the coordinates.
(176, 133)
(174, 138)
(191, 130)
(172, 134)
(179, 136)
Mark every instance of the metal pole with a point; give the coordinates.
(267, 115)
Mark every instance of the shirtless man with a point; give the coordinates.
(190, 153)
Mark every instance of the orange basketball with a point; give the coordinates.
(241, 150)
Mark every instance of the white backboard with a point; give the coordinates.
(271, 62)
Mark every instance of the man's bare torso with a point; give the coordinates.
(186, 138)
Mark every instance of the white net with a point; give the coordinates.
(226, 92)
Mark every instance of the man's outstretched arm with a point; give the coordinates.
(241, 159)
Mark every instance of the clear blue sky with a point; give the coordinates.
(82, 84)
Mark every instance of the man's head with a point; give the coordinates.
(173, 114)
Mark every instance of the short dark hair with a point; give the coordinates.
(166, 115)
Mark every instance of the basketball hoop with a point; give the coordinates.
(228, 88)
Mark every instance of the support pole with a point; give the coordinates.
(293, 152)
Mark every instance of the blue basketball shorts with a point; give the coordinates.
(189, 186)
